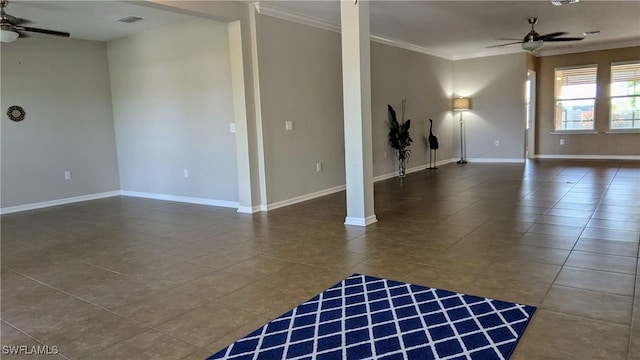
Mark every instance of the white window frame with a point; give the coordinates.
(558, 99)
(636, 118)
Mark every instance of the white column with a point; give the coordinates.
(356, 84)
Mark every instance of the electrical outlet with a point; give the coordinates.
(67, 175)
(318, 167)
(232, 128)
(496, 143)
(288, 125)
(185, 172)
(561, 141)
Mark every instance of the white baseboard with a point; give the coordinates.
(184, 199)
(411, 170)
(497, 160)
(357, 221)
(249, 209)
(70, 200)
(589, 157)
(302, 198)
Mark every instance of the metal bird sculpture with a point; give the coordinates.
(433, 140)
(433, 146)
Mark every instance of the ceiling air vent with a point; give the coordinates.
(130, 19)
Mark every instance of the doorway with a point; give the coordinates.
(530, 116)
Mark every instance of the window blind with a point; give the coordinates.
(626, 72)
(578, 76)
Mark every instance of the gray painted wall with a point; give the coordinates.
(172, 106)
(63, 85)
(300, 81)
(496, 86)
(426, 82)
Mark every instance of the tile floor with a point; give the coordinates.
(128, 278)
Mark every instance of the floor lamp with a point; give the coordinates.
(460, 105)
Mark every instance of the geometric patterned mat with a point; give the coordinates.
(364, 317)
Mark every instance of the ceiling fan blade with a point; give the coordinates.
(19, 21)
(564, 39)
(22, 34)
(509, 39)
(501, 45)
(552, 35)
(45, 31)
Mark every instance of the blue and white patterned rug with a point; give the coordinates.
(364, 317)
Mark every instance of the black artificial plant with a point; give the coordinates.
(399, 137)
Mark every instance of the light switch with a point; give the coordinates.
(288, 125)
(232, 128)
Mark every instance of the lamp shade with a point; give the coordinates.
(461, 103)
(7, 36)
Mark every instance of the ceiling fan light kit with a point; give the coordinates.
(532, 45)
(563, 2)
(12, 28)
(533, 41)
(7, 36)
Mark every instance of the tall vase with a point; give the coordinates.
(401, 167)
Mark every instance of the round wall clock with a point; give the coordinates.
(16, 113)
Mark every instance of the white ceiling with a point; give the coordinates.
(452, 29)
(92, 20)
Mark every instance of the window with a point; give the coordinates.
(575, 98)
(625, 96)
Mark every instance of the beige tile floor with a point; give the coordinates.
(127, 278)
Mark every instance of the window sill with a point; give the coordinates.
(623, 131)
(577, 132)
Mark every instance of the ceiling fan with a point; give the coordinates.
(533, 41)
(11, 27)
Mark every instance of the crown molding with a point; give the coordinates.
(275, 12)
(587, 48)
(270, 10)
(408, 46)
(481, 54)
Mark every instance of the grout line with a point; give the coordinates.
(31, 337)
(147, 327)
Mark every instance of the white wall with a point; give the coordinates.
(172, 106)
(496, 86)
(63, 85)
(426, 82)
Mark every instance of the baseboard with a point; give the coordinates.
(589, 157)
(70, 200)
(302, 198)
(357, 221)
(249, 209)
(411, 170)
(183, 199)
(497, 160)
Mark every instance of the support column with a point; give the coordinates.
(356, 84)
